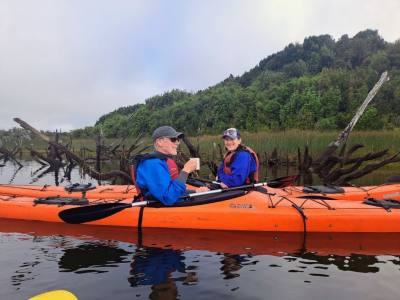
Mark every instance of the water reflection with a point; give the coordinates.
(170, 262)
(152, 265)
(37, 173)
(24, 273)
(354, 262)
(162, 269)
(93, 257)
(232, 263)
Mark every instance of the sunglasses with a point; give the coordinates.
(174, 140)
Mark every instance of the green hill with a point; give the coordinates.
(314, 85)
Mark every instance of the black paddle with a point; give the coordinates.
(95, 212)
(277, 183)
(282, 182)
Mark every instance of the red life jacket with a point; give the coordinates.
(172, 167)
(230, 157)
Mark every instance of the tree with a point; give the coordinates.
(370, 120)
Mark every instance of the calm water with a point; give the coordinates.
(101, 263)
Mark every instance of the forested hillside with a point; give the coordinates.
(314, 85)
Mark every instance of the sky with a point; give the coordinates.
(65, 63)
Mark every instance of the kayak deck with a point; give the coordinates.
(384, 191)
(98, 192)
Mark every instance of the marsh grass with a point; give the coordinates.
(285, 142)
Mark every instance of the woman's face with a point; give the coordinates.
(231, 144)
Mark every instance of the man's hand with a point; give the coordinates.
(190, 165)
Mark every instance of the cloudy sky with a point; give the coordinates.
(64, 63)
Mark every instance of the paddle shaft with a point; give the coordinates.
(242, 187)
(140, 203)
(194, 195)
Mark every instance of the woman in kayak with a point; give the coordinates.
(156, 174)
(240, 164)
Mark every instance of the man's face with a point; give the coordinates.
(167, 146)
(231, 144)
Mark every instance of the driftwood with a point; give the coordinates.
(10, 155)
(38, 157)
(319, 163)
(339, 169)
(87, 169)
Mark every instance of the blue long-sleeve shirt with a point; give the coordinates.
(243, 164)
(153, 177)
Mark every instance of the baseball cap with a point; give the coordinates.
(232, 133)
(166, 131)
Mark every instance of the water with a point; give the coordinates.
(100, 263)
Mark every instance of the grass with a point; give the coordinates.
(286, 142)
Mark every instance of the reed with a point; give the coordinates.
(287, 142)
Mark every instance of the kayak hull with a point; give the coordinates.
(254, 211)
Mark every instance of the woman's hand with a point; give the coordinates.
(202, 189)
(223, 185)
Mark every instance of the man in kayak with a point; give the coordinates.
(240, 164)
(156, 174)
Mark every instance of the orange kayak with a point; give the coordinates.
(76, 191)
(252, 211)
(384, 191)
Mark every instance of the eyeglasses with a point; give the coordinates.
(174, 140)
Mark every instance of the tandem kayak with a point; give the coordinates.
(232, 210)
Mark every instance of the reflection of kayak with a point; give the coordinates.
(233, 242)
(91, 192)
(252, 211)
(385, 191)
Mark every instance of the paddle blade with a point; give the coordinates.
(83, 214)
(53, 295)
(282, 182)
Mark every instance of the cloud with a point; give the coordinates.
(65, 63)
